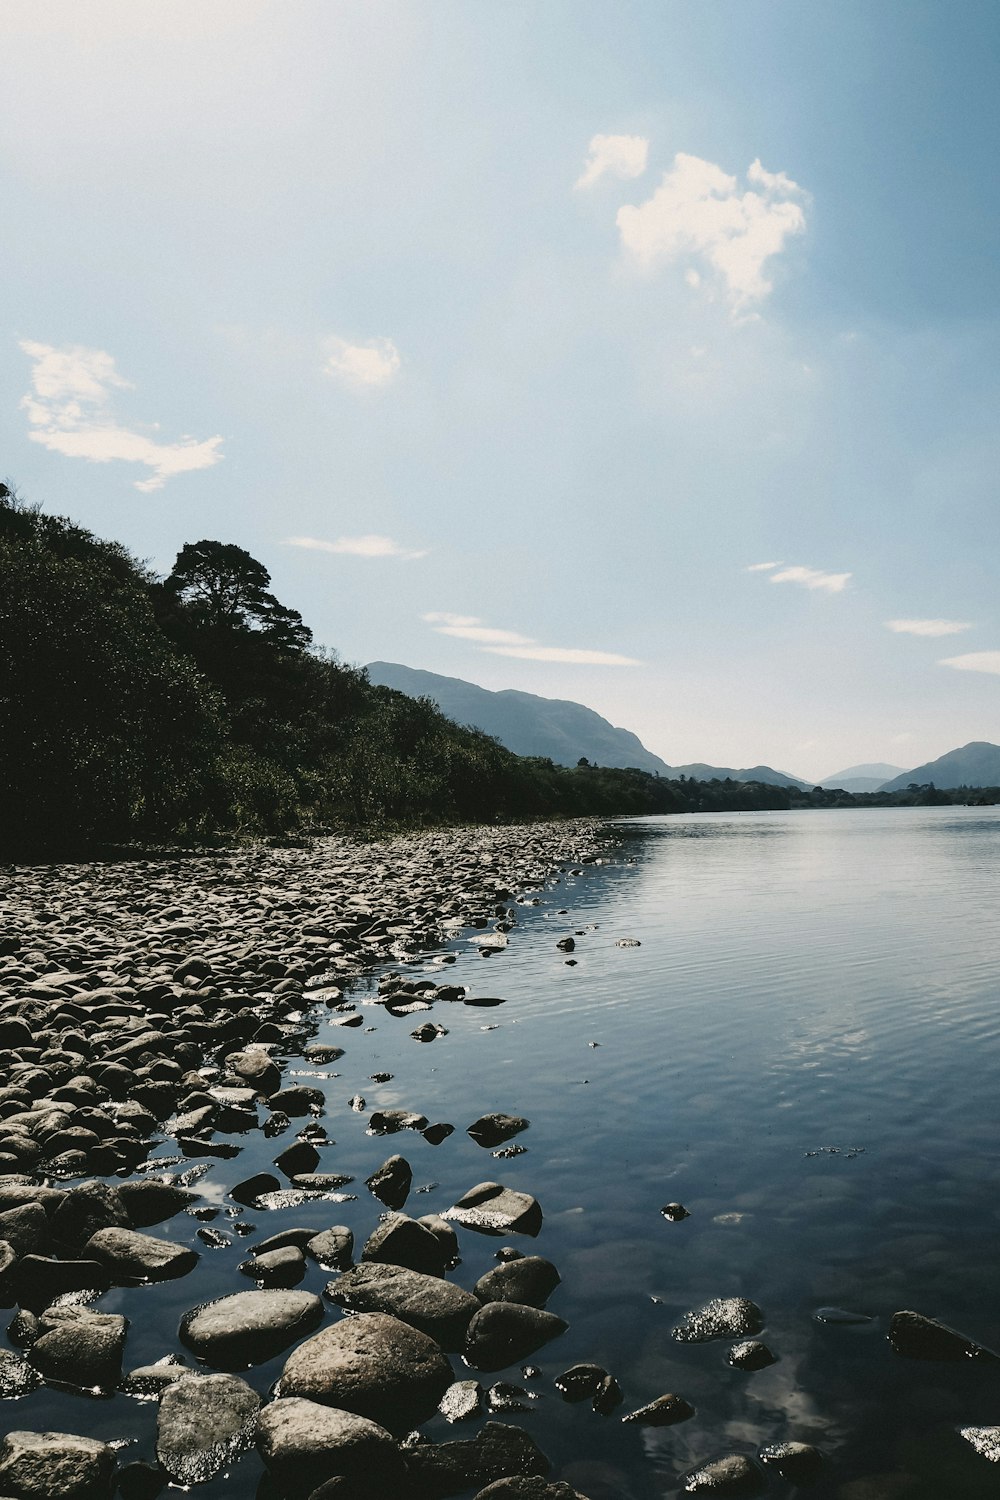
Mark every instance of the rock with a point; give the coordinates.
(152, 1380)
(566, 945)
(250, 1189)
(839, 1315)
(151, 1202)
(917, 1337)
(674, 1212)
(528, 1487)
(391, 1182)
(402, 1241)
(130, 1256)
(724, 1317)
(750, 1355)
(531, 1279)
(462, 1401)
(17, 1376)
(493, 1130)
(203, 1422)
(139, 1481)
(86, 1209)
(304, 1444)
(663, 1412)
(497, 1451)
(80, 1347)
(371, 1364)
(55, 1466)
(435, 1306)
(445, 1236)
(608, 1397)
(258, 1069)
(247, 1328)
(491, 1208)
(390, 1121)
(298, 1099)
(435, 1134)
(299, 1157)
(332, 1248)
(580, 1382)
(25, 1228)
(503, 1332)
(284, 1267)
(799, 1463)
(732, 1475)
(985, 1440)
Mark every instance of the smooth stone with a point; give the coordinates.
(731, 1475)
(917, 1337)
(332, 1248)
(401, 1241)
(723, 1317)
(580, 1382)
(435, 1306)
(528, 1487)
(461, 1401)
(86, 1209)
(491, 1208)
(55, 1466)
(498, 1451)
(493, 1130)
(391, 1121)
(799, 1463)
(257, 1069)
(247, 1328)
(80, 1347)
(503, 1332)
(663, 1412)
(131, 1256)
(371, 1364)
(531, 1280)
(284, 1267)
(152, 1202)
(750, 1355)
(305, 1444)
(25, 1228)
(17, 1376)
(203, 1422)
(151, 1380)
(391, 1182)
(296, 1159)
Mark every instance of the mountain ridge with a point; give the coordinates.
(974, 764)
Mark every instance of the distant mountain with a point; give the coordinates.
(529, 725)
(975, 764)
(765, 774)
(866, 778)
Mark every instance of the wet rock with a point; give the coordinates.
(246, 1328)
(203, 1422)
(390, 1121)
(139, 1481)
(674, 1212)
(493, 1130)
(151, 1202)
(146, 1381)
(332, 1248)
(530, 1279)
(486, 1001)
(258, 1069)
(38, 1279)
(298, 1099)
(86, 1209)
(985, 1440)
(663, 1412)
(435, 1134)
(503, 1332)
(840, 1315)
(491, 1208)
(55, 1466)
(751, 1354)
(130, 1256)
(497, 1451)
(724, 1317)
(528, 1487)
(731, 1475)
(391, 1182)
(17, 1376)
(402, 1241)
(505, 1396)
(305, 1444)
(608, 1397)
(371, 1364)
(25, 1228)
(580, 1382)
(429, 1032)
(462, 1401)
(250, 1190)
(917, 1337)
(435, 1306)
(283, 1267)
(79, 1347)
(298, 1158)
(799, 1463)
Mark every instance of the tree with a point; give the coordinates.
(225, 589)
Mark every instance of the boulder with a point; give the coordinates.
(203, 1422)
(503, 1332)
(130, 1256)
(531, 1280)
(497, 1451)
(80, 1347)
(247, 1328)
(305, 1444)
(917, 1337)
(491, 1208)
(55, 1466)
(723, 1317)
(435, 1306)
(332, 1248)
(401, 1241)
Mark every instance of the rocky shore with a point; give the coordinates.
(149, 1010)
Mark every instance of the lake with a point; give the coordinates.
(803, 1050)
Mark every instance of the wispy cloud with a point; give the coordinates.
(812, 578)
(974, 661)
(355, 546)
(70, 411)
(371, 363)
(622, 156)
(699, 211)
(511, 643)
(928, 627)
(762, 567)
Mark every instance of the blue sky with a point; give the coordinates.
(514, 339)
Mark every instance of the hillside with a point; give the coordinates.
(556, 728)
(865, 778)
(764, 774)
(975, 764)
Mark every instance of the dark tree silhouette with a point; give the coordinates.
(224, 588)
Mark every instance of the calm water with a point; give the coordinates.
(804, 1050)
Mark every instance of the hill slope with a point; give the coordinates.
(867, 778)
(766, 774)
(975, 764)
(561, 730)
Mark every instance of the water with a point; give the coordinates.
(804, 1050)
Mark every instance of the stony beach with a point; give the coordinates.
(155, 1005)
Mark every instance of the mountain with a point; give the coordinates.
(866, 778)
(765, 774)
(975, 764)
(529, 725)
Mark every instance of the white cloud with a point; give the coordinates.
(762, 567)
(512, 643)
(699, 211)
(355, 546)
(485, 635)
(975, 661)
(812, 578)
(69, 412)
(372, 363)
(443, 617)
(928, 627)
(620, 155)
(565, 654)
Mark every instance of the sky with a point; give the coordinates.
(640, 354)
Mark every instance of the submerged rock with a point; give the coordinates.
(663, 1412)
(203, 1422)
(722, 1318)
(917, 1337)
(503, 1332)
(799, 1463)
(732, 1475)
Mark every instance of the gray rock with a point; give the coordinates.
(531, 1280)
(402, 1241)
(985, 1441)
(247, 1328)
(445, 1236)
(503, 1332)
(80, 1347)
(26, 1228)
(528, 1487)
(580, 1382)
(203, 1422)
(283, 1267)
(151, 1380)
(305, 1444)
(130, 1256)
(731, 1475)
(917, 1337)
(390, 1183)
(257, 1069)
(153, 1202)
(17, 1377)
(663, 1412)
(371, 1364)
(332, 1248)
(751, 1354)
(462, 1401)
(722, 1318)
(491, 1208)
(435, 1306)
(55, 1466)
(86, 1209)
(493, 1130)
(498, 1451)
(799, 1463)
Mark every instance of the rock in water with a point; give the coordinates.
(722, 1318)
(917, 1337)
(55, 1466)
(304, 1444)
(751, 1354)
(130, 1256)
(203, 1422)
(497, 1451)
(371, 1364)
(531, 1279)
(80, 1347)
(402, 1241)
(799, 1463)
(663, 1412)
(985, 1440)
(732, 1475)
(491, 1208)
(493, 1130)
(390, 1183)
(503, 1332)
(247, 1328)
(429, 1303)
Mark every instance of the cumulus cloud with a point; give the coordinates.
(355, 546)
(512, 643)
(622, 156)
(812, 578)
(928, 627)
(372, 363)
(975, 661)
(70, 411)
(700, 212)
